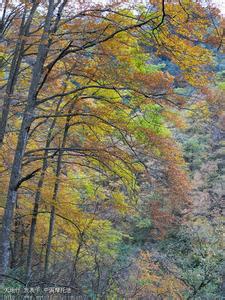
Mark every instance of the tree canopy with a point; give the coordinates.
(97, 145)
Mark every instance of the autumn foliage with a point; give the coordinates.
(87, 110)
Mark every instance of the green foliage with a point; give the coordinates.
(149, 68)
(198, 254)
(220, 78)
(195, 151)
(141, 230)
(113, 176)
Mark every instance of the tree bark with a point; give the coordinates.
(38, 196)
(22, 141)
(15, 67)
(55, 196)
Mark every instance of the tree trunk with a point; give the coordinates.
(55, 196)
(16, 242)
(38, 196)
(73, 280)
(14, 69)
(22, 141)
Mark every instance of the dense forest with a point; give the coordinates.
(112, 150)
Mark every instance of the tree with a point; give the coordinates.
(95, 104)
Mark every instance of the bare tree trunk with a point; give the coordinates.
(15, 67)
(2, 22)
(38, 196)
(22, 141)
(55, 196)
(73, 280)
(17, 237)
